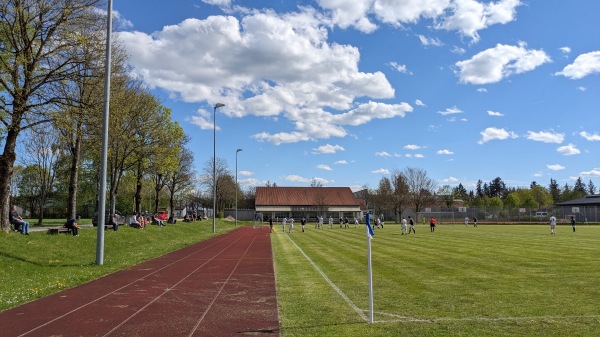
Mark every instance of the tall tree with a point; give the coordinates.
(591, 187)
(36, 39)
(446, 195)
(420, 188)
(41, 151)
(182, 177)
(400, 196)
(554, 191)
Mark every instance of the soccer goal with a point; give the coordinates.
(258, 221)
(440, 217)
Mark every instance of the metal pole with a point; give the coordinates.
(370, 266)
(236, 185)
(218, 105)
(104, 159)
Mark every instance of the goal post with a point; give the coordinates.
(440, 217)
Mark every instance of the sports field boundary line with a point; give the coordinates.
(330, 282)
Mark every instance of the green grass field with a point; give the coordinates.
(495, 280)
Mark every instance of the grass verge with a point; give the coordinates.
(495, 280)
(38, 264)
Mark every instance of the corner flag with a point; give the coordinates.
(370, 232)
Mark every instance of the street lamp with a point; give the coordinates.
(218, 105)
(236, 185)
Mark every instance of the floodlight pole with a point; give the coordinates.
(104, 159)
(218, 105)
(236, 185)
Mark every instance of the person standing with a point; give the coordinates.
(330, 222)
(283, 222)
(432, 224)
(303, 223)
(321, 222)
(291, 226)
(573, 224)
(466, 221)
(20, 224)
(355, 222)
(270, 225)
(404, 226)
(412, 225)
(552, 224)
(72, 225)
(475, 221)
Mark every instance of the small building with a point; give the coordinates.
(586, 209)
(308, 202)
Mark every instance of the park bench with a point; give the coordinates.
(58, 230)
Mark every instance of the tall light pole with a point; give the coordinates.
(236, 185)
(218, 105)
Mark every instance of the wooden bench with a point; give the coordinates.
(58, 230)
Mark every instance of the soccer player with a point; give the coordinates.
(404, 226)
(412, 226)
(552, 224)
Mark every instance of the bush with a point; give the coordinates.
(220, 215)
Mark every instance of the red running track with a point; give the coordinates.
(224, 286)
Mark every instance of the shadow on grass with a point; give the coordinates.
(39, 264)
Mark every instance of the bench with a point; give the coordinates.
(58, 230)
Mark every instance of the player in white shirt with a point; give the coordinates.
(404, 226)
(552, 224)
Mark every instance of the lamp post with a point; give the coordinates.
(218, 105)
(236, 185)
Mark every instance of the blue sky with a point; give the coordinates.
(346, 92)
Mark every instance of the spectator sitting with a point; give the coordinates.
(133, 222)
(72, 225)
(172, 220)
(158, 221)
(141, 220)
(18, 222)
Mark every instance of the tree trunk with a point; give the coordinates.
(138, 188)
(74, 176)
(7, 161)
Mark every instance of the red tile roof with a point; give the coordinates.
(305, 196)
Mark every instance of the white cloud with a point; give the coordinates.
(495, 64)
(445, 152)
(450, 180)
(341, 162)
(546, 137)
(458, 50)
(382, 154)
(568, 150)
(484, 90)
(492, 133)
(582, 89)
(411, 147)
(328, 149)
(381, 171)
(584, 64)
(299, 179)
(430, 41)
(218, 2)
(296, 178)
(209, 61)
(450, 111)
(495, 113)
(418, 155)
(470, 16)
(246, 173)
(419, 103)
(555, 167)
(324, 167)
(401, 68)
(590, 136)
(593, 173)
(565, 50)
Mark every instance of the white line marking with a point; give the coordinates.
(338, 290)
